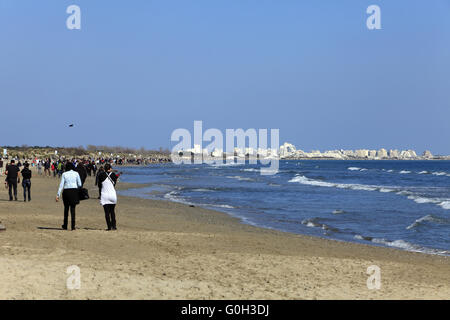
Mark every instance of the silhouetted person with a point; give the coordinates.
(12, 178)
(26, 182)
(94, 168)
(81, 171)
(97, 183)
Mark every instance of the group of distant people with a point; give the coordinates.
(56, 168)
(73, 176)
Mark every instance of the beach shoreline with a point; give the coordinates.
(168, 250)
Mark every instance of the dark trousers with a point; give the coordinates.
(110, 215)
(26, 184)
(12, 184)
(66, 216)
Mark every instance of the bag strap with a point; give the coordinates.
(109, 177)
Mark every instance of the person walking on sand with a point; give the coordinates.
(12, 178)
(81, 169)
(39, 167)
(26, 182)
(47, 167)
(94, 168)
(107, 180)
(70, 182)
(97, 183)
(1, 167)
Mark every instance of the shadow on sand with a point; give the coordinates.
(61, 229)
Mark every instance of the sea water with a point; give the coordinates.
(399, 204)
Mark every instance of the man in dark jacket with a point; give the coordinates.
(81, 171)
(97, 183)
(12, 178)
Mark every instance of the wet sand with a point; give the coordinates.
(165, 250)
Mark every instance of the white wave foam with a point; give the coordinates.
(174, 197)
(419, 199)
(402, 244)
(386, 190)
(305, 180)
(226, 164)
(437, 173)
(250, 170)
(318, 183)
(225, 206)
(420, 220)
(202, 190)
(312, 223)
(357, 169)
(240, 178)
(445, 204)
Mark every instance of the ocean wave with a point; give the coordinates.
(264, 170)
(274, 184)
(420, 199)
(174, 197)
(307, 181)
(439, 173)
(427, 218)
(386, 190)
(444, 203)
(402, 244)
(357, 169)
(314, 223)
(226, 164)
(240, 178)
(436, 173)
(202, 190)
(224, 206)
(339, 212)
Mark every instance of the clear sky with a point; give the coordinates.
(139, 69)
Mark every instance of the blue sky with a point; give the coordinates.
(139, 69)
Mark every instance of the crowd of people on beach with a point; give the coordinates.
(73, 174)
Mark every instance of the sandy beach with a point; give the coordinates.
(165, 250)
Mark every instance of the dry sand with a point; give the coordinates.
(166, 250)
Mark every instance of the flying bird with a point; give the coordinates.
(70, 125)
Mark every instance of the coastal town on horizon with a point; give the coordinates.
(288, 151)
